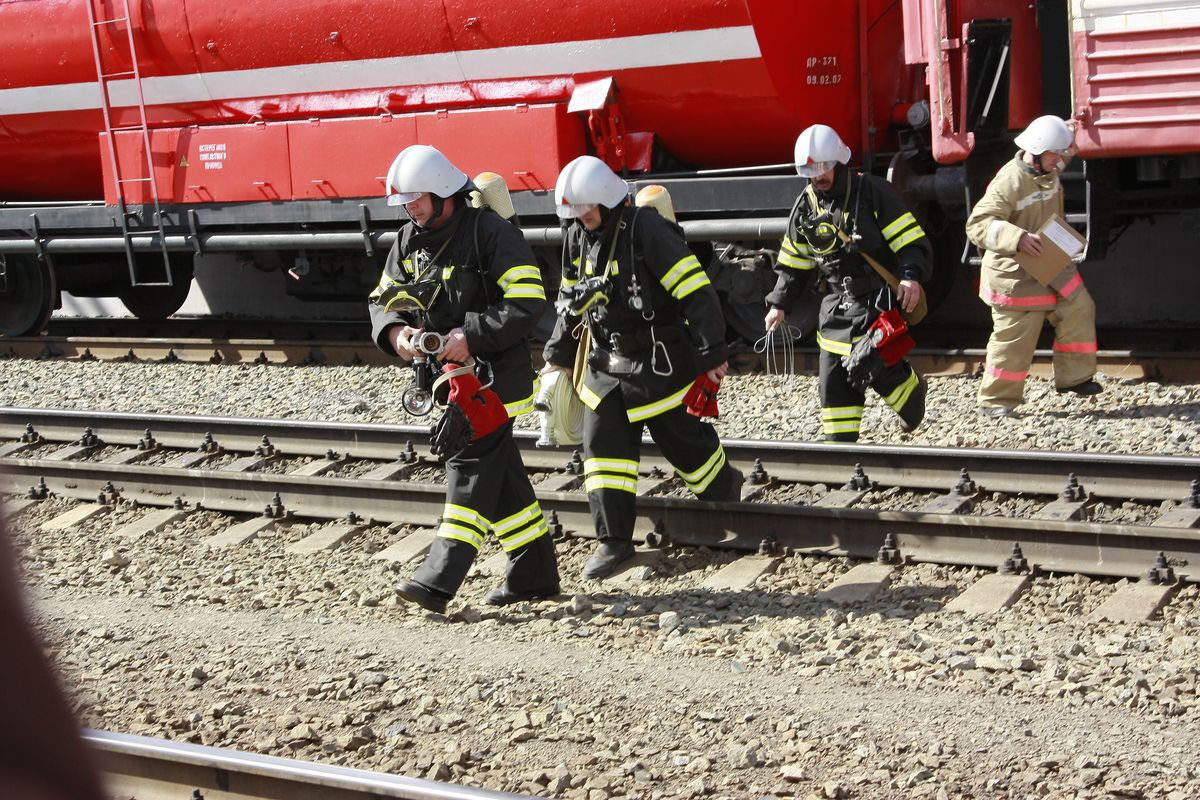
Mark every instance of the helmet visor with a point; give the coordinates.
(401, 198)
(573, 210)
(815, 168)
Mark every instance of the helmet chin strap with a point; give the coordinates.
(439, 204)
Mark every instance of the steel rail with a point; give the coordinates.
(1122, 477)
(1084, 548)
(142, 767)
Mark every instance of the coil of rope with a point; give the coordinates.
(559, 409)
(778, 349)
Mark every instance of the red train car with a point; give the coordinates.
(139, 134)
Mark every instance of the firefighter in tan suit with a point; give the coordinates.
(1023, 195)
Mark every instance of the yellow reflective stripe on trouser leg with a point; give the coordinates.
(523, 406)
(618, 474)
(464, 524)
(521, 528)
(841, 419)
(698, 480)
(901, 393)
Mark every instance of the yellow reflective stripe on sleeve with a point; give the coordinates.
(657, 407)
(898, 224)
(588, 397)
(522, 272)
(795, 262)
(676, 273)
(385, 282)
(690, 285)
(594, 483)
(906, 239)
(900, 395)
(566, 282)
(621, 466)
(794, 247)
(832, 345)
(527, 290)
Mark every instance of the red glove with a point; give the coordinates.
(482, 406)
(701, 399)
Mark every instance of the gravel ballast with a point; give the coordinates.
(651, 689)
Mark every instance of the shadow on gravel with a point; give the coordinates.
(700, 608)
(1190, 410)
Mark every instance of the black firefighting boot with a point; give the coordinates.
(532, 574)
(913, 410)
(438, 579)
(726, 487)
(426, 598)
(607, 557)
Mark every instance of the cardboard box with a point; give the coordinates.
(1060, 244)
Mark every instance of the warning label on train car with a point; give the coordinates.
(822, 71)
(213, 155)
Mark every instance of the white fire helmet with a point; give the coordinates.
(818, 148)
(1048, 133)
(419, 169)
(585, 183)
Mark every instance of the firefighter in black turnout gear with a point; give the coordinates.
(651, 325)
(840, 216)
(468, 275)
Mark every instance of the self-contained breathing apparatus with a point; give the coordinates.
(590, 298)
(832, 238)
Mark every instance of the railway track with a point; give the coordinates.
(143, 768)
(1105, 515)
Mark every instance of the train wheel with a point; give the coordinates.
(27, 294)
(159, 302)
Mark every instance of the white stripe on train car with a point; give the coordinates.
(556, 58)
(1116, 16)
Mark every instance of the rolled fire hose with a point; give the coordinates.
(560, 411)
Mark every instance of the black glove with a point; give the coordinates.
(451, 434)
(863, 364)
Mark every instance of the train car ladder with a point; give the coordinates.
(106, 106)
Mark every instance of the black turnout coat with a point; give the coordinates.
(487, 282)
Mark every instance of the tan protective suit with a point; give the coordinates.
(1017, 201)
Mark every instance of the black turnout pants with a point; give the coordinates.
(612, 446)
(487, 489)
